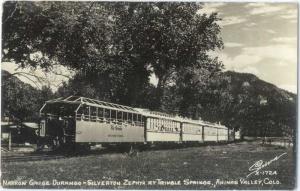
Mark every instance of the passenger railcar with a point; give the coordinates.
(192, 130)
(87, 121)
(161, 127)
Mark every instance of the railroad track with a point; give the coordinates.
(29, 158)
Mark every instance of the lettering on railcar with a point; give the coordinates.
(115, 135)
(116, 127)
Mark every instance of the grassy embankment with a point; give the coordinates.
(206, 163)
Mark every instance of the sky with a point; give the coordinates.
(259, 38)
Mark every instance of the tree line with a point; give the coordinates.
(114, 49)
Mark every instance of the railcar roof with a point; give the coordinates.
(156, 114)
(93, 102)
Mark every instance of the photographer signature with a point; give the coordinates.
(261, 164)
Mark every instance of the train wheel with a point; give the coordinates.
(57, 143)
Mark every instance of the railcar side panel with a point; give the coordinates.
(191, 132)
(191, 137)
(97, 132)
(158, 136)
(222, 134)
(210, 134)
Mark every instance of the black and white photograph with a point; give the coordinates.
(149, 95)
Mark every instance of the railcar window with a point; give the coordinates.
(125, 115)
(100, 113)
(93, 113)
(80, 110)
(113, 114)
(107, 113)
(153, 124)
(119, 115)
(80, 113)
(86, 112)
(134, 118)
(138, 119)
(141, 120)
(161, 126)
(129, 117)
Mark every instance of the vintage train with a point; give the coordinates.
(85, 121)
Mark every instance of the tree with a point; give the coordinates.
(168, 38)
(20, 101)
(114, 47)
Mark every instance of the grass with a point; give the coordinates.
(206, 163)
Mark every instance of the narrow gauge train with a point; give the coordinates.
(80, 120)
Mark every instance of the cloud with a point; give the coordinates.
(232, 44)
(249, 69)
(290, 87)
(263, 8)
(290, 14)
(270, 31)
(242, 63)
(251, 57)
(231, 20)
(277, 52)
(255, 4)
(209, 8)
(239, 62)
(285, 40)
(251, 24)
(282, 63)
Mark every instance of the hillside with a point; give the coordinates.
(244, 101)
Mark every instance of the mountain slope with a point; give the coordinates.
(243, 101)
